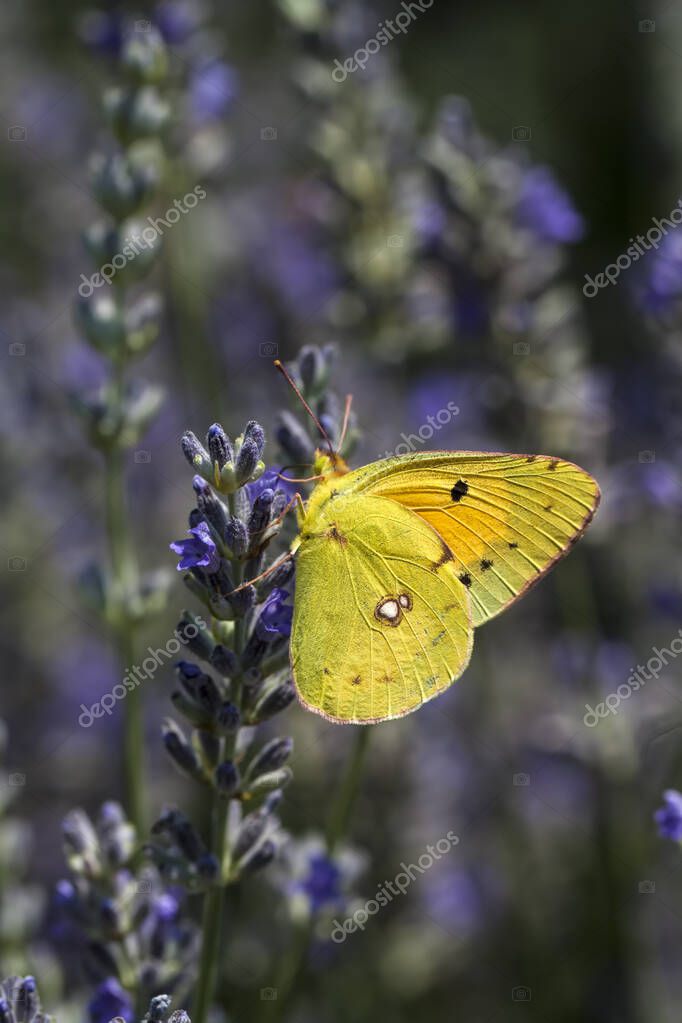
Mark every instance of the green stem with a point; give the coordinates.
(337, 827)
(345, 800)
(214, 899)
(211, 925)
(123, 578)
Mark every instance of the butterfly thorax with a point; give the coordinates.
(331, 470)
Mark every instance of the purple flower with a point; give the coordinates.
(65, 893)
(103, 31)
(275, 617)
(454, 900)
(299, 267)
(666, 601)
(322, 882)
(270, 480)
(199, 551)
(110, 1000)
(165, 907)
(212, 88)
(662, 288)
(175, 20)
(669, 817)
(661, 482)
(546, 209)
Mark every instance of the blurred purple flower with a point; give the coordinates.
(453, 899)
(199, 551)
(428, 219)
(110, 1000)
(322, 882)
(661, 482)
(669, 817)
(444, 392)
(546, 209)
(64, 894)
(165, 907)
(176, 20)
(103, 31)
(302, 272)
(212, 88)
(661, 290)
(666, 601)
(275, 617)
(654, 484)
(613, 663)
(83, 369)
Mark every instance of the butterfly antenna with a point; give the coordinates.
(287, 376)
(292, 479)
(346, 419)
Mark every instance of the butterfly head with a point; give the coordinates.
(329, 464)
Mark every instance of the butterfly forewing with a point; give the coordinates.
(381, 620)
(506, 518)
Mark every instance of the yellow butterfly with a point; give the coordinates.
(399, 561)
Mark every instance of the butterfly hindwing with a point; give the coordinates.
(506, 518)
(381, 620)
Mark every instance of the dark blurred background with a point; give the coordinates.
(420, 239)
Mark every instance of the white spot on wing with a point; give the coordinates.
(389, 610)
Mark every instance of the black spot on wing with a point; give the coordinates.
(459, 490)
(486, 564)
(465, 579)
(335, 534)
(513, 546)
